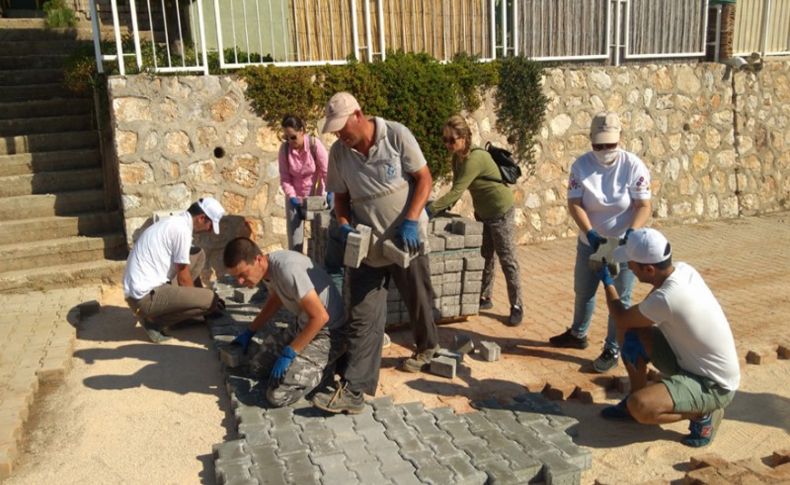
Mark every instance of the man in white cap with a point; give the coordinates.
(380, 179)
(162, 279)
(682, 330)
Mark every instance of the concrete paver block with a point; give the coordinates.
(457, 356)
(452, 241)
(463, 344)
(314, 203)
(443, 366)
(490, 351)
(468, 309)
(396, 255)
(455, 265)
(441, 224)
(473, 287)
(231, 355)
(473, 241)
(357, 246)
(437, 243)
(765, 354)
(473, 276)
(244, 295)
(467, 227)
(474, 263)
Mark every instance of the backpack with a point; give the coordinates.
(508, 168)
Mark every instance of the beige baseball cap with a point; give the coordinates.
(338, 109)
(605, 128)
(644, 246)
(213, 211)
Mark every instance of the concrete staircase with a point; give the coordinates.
(57, 228)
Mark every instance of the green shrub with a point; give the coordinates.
(59, 15)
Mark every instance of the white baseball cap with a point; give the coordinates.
(605, 128)
(213, 211)
(644, 246)
(338, 109)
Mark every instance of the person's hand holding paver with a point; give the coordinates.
(283, 362)
(244, 339)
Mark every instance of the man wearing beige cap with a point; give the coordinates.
(380, 179)
(162, 270)
(608, 197)
(682, 330)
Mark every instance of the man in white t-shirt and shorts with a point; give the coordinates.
(163, 267)
(682, 330)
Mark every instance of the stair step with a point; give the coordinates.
(47, 142)
(51, 182)
(41, 108)
(32, 62)
(52, 124)
(51, 252)
(21, 77)
(36, 91)
(38, 229)
(48, 205)
(35, 47)
(63, 275)
(28, 163)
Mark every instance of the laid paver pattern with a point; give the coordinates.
(37, 331)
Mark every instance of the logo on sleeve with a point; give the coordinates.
(573, 184)
(641, 184)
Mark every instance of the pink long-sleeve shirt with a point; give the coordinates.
(300, 171)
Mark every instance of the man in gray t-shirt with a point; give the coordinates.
(297, 357)
(380, 179)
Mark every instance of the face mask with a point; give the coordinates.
(607, 157)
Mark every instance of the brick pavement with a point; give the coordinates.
(38, 331)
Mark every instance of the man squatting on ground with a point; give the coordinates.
(300, 355)
(161, 283)
(682, 330)
(381, 179)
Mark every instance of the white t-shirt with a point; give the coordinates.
(691, 319)
(292, 275)
(607, 191)
(155, 254)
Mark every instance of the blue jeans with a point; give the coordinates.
(585, 284)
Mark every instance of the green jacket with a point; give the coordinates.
(490, 199)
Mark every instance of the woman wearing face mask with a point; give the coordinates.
(474, 169)
(608, 197)
(303, 162)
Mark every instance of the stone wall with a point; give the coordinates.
(715, 142)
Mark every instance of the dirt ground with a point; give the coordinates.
(134, 412)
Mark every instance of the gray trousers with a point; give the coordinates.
(169, 304)
(294, 225)
(499, 238)
(367, 288)
(307, 370)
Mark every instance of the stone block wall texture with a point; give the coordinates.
(716, 144)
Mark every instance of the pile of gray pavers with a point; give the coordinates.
(527, 440)
(453, 247)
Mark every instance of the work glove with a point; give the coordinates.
(409, 236)
(244, 339)
(283, 362)
(297, 205)
(330, 199)
(604, 275)
(595, 239)
(633, 349)
(345, 230)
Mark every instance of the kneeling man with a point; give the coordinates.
(299, 355)
(682, 330)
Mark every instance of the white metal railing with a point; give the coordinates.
(762, 26)
(185, 35)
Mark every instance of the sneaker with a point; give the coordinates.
(703, 429)
(486, 304)
(340, 400)
(157, 335)
(568, 340)
(516, 316)
(418, 360)
(386, 341)
(618, 411)
(607, 360)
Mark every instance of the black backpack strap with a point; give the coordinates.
(486, 177)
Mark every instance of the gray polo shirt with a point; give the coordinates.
(292, 275)
(378, 184)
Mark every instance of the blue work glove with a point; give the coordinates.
(283, 362)
(627, 233)
(633, 349)
(244, 339)
(595, 239)
(604, 275)
(297, 205)
(330, 199)
(345, 230)
(409, 235)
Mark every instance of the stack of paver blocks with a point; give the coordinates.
(319, 237)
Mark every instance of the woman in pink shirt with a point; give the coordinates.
(303, 161)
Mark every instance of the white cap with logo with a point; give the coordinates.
(605, 128)
(644, 246)
(338, 109)
(213, 211)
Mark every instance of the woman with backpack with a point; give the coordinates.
(303, 163)
(475, 170)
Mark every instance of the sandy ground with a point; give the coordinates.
(134, 412)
